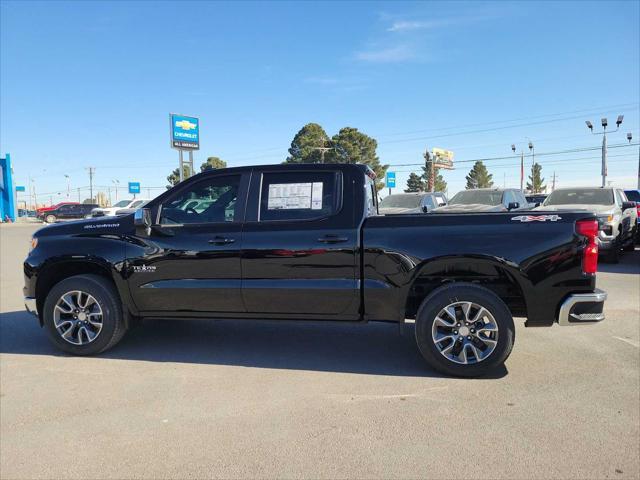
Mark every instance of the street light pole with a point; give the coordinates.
(604, 122)
(513, 149)
(68, 185)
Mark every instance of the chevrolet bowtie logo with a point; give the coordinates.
(186, 125)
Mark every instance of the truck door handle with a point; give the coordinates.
(332, 239)
(221, 241)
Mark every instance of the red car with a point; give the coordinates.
(41, 211)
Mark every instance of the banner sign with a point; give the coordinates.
(134, 187)
(443, 158)
(20, 188)
(185, 132)
(391, 180)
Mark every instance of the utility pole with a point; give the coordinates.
(79, 201)
(604, 123)
(116, 183)
(92, 170)
(553, 184)
(323, 150)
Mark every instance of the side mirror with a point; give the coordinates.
(425, 209)
(513, 205)
(628, 205)
(537, 204)
(142, 217)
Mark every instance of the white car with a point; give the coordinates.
(122, 204)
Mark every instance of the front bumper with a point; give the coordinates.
(30, 305)
(582, 308)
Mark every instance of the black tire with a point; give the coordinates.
(464, 292)
(50, 219)
(630, 247)
(106, 296)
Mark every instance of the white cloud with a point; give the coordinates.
(406, 25)
(399, 53)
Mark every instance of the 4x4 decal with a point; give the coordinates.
(536, 218)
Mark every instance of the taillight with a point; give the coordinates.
(589, 229)
(638, 208)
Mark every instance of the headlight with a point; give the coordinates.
(605, 218)
(34, 244)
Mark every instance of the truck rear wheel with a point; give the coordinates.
(464, 330)
(83, 315)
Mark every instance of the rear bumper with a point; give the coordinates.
(30, 305)
(582, 308)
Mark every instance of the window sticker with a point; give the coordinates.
(290, 196)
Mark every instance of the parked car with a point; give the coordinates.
(617, 216)
(68, 212)
(486, 200)
(634, 196)
(111, 211)
(306, 242)
(42, 210)
(129, 211)
(536, 199)
(418, 202)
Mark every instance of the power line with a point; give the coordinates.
(509, 157)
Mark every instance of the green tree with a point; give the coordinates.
(174, 177)
(536, 182)
(351, 146)
(213, 163)
(479, 177)
(415, 183)
(305, 145)
(440, 183)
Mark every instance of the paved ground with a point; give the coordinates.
(199, 399)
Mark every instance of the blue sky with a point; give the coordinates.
(91, 84)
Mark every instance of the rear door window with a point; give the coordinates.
(298, 195)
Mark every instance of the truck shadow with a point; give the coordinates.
(629, 264)
(372, 349)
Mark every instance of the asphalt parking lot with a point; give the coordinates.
(196, 399)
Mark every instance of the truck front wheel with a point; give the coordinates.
(83, 315)
(464, 330)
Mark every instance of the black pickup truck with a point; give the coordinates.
(305, 242)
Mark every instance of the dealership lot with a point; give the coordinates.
(196, 399)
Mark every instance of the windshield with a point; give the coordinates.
(483, 197)
(587, 196)
(122, 203)
(401, 201)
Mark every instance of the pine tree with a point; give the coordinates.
(415, 183)
(479, 177)
(536, 182)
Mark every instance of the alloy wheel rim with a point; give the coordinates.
(77, 317)
(465, 333)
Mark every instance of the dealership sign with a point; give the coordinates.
(391, 179)
(443, 158)
(185, 132)
(134, 187)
